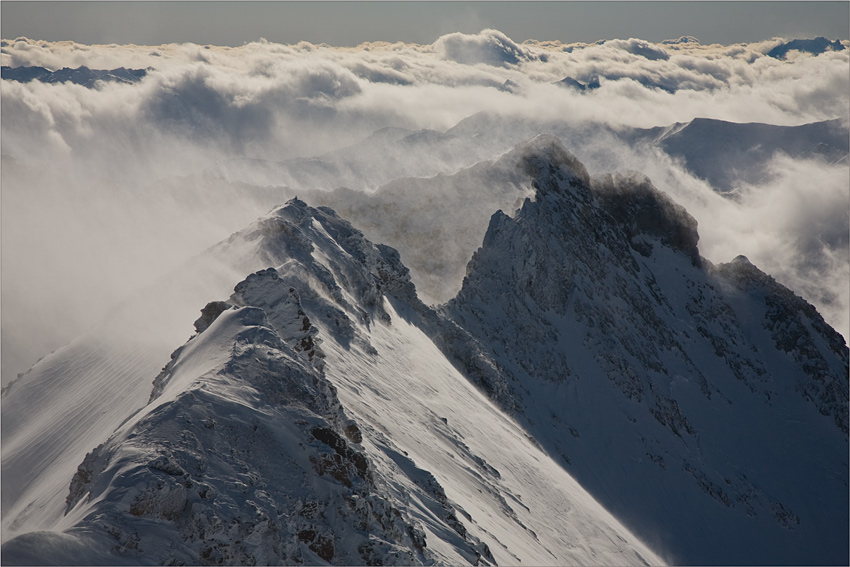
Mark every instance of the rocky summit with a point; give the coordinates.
(597, 392)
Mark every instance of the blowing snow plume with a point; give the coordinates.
(322, 413)
(136, 175)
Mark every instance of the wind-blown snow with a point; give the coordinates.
(238, 432)
(638, 343)
(201, 111)
(592, 364)
(664, 383)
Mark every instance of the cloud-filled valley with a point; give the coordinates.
(105, 188)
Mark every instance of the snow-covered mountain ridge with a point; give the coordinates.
(723, 153)
(260, 462)
(322, 412)
(248, 451)
(622, 345)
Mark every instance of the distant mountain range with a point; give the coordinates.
(79, 76)
(726, 153)
(722, 153)
(814, 46)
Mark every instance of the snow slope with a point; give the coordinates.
(594, 369)
(727, 154)
(51, 414)
(74, 398)
(434, 222)
(704, 406)
(311, 420)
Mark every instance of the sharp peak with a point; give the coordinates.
(301, 208)
(546, 153)
(294, 202)
(741, 269)
(631, 199)
(741, 260)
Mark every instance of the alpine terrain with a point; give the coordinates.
(596, 392)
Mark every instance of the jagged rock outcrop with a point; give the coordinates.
(322, 413)
(372, 272)
(250, 459)
(798, 330)
(626, 350)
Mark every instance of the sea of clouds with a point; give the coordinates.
(90, 212)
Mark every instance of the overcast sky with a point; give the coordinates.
(350, 23)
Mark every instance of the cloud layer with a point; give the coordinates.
(116, 180)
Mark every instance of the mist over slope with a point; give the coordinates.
(312, 419)
(720, 387)
(663, 382)
(138, 176)
(629, 380)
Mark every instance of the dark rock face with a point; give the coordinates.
(798, 330)
(594, 299)
(814, 46)
(210, 313)
(644, 211)
(79, 76)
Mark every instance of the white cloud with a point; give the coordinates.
(794, 225)
(490, 47)
(641, 48)
(200, 106)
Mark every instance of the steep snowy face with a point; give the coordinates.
(704, 406)
(312, 419)
(799, 331)
(244, 456)
(435, 222)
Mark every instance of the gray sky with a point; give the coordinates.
(350, 23)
